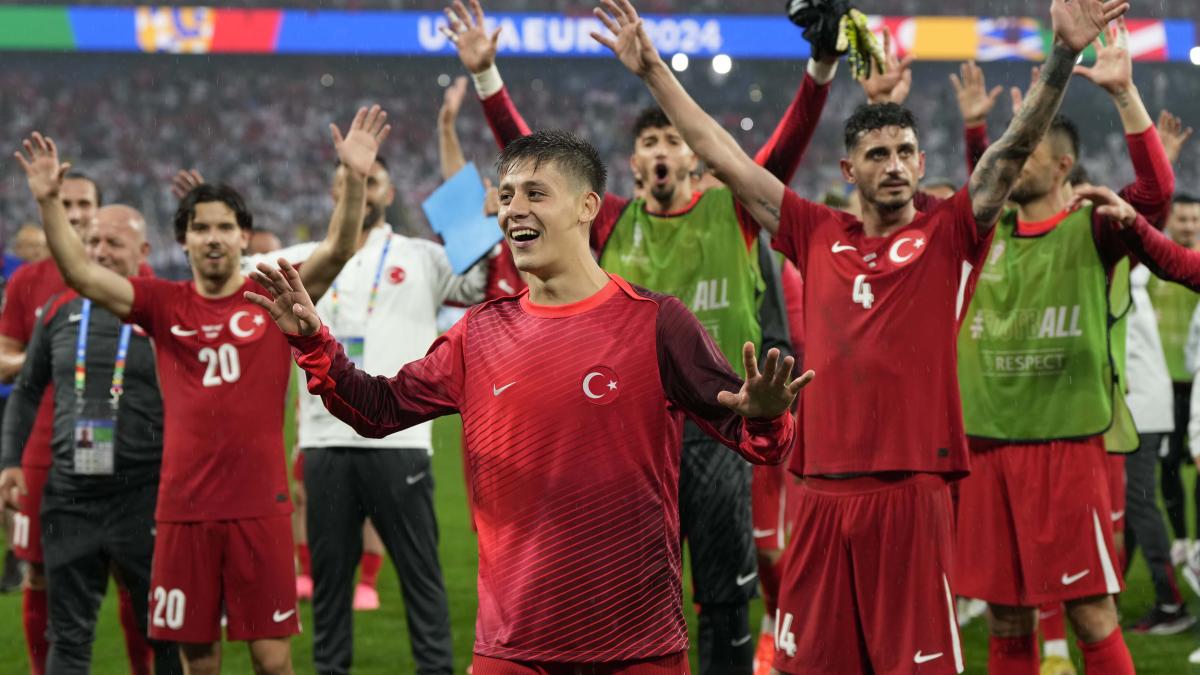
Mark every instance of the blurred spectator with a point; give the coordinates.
(29, 243)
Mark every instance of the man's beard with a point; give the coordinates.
(372, 215)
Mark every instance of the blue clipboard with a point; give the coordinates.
(455, 212)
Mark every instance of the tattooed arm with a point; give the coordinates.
(1076, 24)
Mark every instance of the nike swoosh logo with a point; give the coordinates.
(745, 579)
(1068, 579)
(72, 318)
(412, 480)
(838, 247)
(280, 617)
(1117, 515)
(763, 533)
(496, 391)
(740, 641)
(925, 658)
(181, 332)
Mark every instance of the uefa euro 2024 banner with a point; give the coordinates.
(204, 30)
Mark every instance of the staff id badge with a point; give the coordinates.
(356, 347)
(95, 428)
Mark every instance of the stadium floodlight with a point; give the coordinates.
(1195, 56)
(747, 124)
(443, 80)
(679, 62)
(722, 64)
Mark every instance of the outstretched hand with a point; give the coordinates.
(768, 394)
(894, 83)
(358, 149)
(1108, 204)
(1173, 135)
(630, 42)
(466, 30)
(975, 101)
(452, 99)
(289, 304)
(42, 168)
(1113, 70)
(1077, 23)
(1018, 96)
(185, 181)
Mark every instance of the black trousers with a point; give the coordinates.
(1144, 525)
(1172, 465)
(714, 518)
(394, 487)
(81, 539)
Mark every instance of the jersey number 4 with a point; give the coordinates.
(221, 365)
(861, 294)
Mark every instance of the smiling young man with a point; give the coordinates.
(224, 542)
(884, 295)
(573, 468)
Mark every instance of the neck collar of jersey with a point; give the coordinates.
(571, 309)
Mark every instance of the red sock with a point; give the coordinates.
(769, 576)
(1109, 656)
(140, 655)
(1013, 656)
(1051, 621)
(370, 564)
(305, 559)
(36, 615)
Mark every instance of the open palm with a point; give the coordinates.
(42, 168)
(631, 44)
(1113, 69)
(289, 305)
(1077, 22)
(358, 149)
(476, 48)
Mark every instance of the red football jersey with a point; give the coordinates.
(30, 287)
(573, 416)
(881, 318)
(223, 370)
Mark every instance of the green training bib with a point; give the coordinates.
(1174, 305)
(699, 256)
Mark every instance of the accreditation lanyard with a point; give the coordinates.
(118, 376)
(334, 298)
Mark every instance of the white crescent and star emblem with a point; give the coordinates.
(235, 326)
(600, 385)
(907, 248)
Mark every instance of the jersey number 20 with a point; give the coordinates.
(168, 608)
(221, 365)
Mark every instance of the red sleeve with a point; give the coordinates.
(17, 317)
(149, 294)
(977, 144)
(1166, 259)
(784, 150)
(606, 220)
(971, 245)
(502, 116)
(376, 406)
(694, 371)
(1154, 179)
(798, 217)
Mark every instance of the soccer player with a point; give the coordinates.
(574, 458)
(677, 240)
(223, 533)
(883, 299)
(99, 502)
(25, 294)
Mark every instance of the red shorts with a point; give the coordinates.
(298, 468)
(671, 664)
(866, 579)
(243, 567)
(27, 521)
(767, 504)
(1116, 490)
(1035, 524)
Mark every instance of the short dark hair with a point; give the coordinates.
(1184, 198)
(571, 153)
(378, 160)
(79, 175)
(208, 192)
(1079, 175)
(1062, 128)
(650, 118)
(871, 116)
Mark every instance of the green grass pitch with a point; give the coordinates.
(381, 637)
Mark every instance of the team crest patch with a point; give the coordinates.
(907, 247)
(600, 385)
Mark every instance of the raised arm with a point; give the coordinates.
(1076, 24)
(449, 148)
(1173, 134)
(45, 175)
(755, 187)
(373, 406)
(357, 153)
(477, 51)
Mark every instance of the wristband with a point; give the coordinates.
(488, 82)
